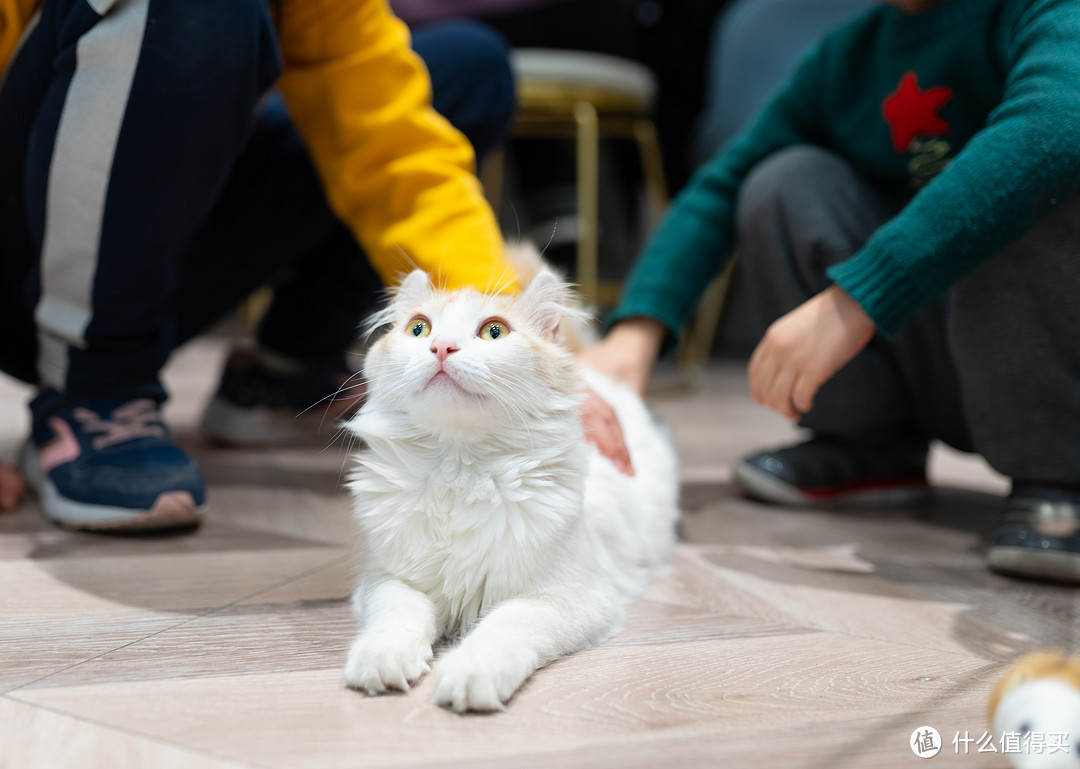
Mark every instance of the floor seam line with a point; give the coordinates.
(188, 620)
(139, 735)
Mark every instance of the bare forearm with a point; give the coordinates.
(629, 351)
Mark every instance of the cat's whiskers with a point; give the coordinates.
(516, 413)
(333, 395)
(351, 444)
(504, 281)
(523, 419)
(440, 282)
(373, 370)
(408, 385)
(396, 389)
(342, 431)
(412, 262)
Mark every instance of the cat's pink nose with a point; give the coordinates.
(442, 348)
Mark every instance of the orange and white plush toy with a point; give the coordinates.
(1035, 712)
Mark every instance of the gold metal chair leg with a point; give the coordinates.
(699, 338)
(252, 309)
(491, 178)
(588, 200)
(652, 168)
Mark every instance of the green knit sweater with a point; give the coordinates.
(972, 107)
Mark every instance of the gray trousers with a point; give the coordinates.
(992, 367)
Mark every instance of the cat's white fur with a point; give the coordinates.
(487, 517)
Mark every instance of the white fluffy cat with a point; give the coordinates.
(487, 518)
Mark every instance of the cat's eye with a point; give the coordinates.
(419, 326)
(494, 329)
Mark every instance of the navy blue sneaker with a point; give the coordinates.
(258, 408)
(109, 465)
(835, 472)
(1039, 534)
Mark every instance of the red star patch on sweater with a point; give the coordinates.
(912, 112)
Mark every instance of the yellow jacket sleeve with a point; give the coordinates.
(396, 172)
(14, 15)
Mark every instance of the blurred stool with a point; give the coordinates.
(586, 97)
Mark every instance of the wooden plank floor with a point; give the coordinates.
(779, 638)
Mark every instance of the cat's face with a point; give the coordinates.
(466, 358)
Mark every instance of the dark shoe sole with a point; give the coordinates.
(892, 493)
(1059, 565)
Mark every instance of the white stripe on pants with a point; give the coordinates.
(78, 183)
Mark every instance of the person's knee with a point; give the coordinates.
(208, 41)
(482, 59)
(780, 184)
(490, 53)
(472, 79)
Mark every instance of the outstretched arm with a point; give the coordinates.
(395, 171)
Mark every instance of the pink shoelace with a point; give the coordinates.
(137, 419)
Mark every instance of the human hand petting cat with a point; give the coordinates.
(626, 354)
(12, 487)
(602, 429)
(805, 348)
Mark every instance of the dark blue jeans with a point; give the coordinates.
(207, 191)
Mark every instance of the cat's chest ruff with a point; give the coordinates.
(468, 531)
(456, 496)
(453, 482)
(443, 499)
(439, 482)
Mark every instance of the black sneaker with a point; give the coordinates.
(1039, 534)
(255, 407)
(829, 472)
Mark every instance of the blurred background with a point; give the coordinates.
(654, 88)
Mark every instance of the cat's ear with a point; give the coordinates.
(545, 302)
(412, 290)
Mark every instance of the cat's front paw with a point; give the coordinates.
(468, 679)
(381, 660)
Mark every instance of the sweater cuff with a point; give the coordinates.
(884, 291)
